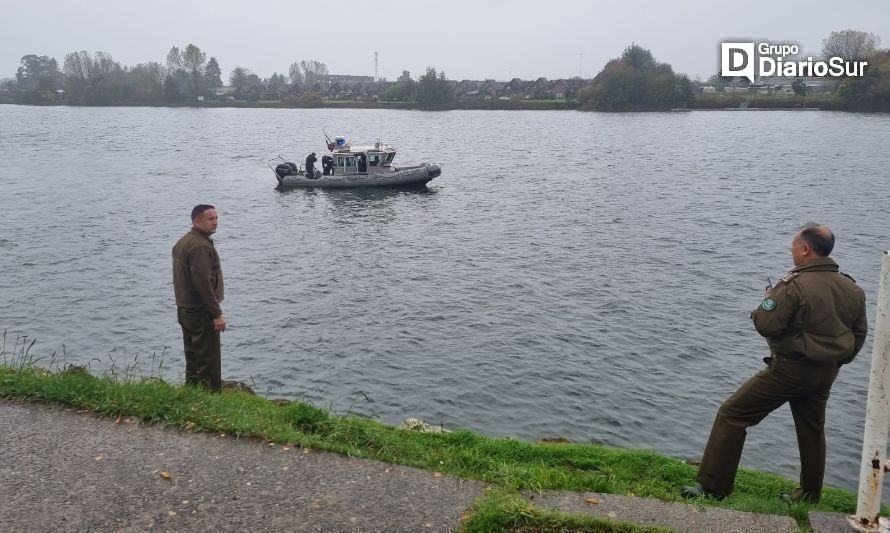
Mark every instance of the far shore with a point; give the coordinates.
(718, 103)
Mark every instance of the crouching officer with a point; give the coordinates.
(814, 321)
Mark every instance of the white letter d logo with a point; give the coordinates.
(737, 59)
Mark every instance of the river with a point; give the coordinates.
(581, 275)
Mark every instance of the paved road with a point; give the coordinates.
(66, 471)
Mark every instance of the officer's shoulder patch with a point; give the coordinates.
(789, 277)
(768, 304)
(849, 276)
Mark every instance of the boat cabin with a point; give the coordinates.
(362, 159)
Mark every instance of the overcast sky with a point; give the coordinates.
(468, 39)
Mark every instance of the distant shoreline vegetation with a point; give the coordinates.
(635, 81)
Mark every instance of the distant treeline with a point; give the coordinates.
(634, 81)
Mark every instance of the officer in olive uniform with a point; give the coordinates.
(814, 321)
(310, 165)
(198, 286)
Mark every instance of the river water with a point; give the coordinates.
(570, 274)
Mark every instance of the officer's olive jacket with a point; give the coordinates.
(197, 275)
(815, 313)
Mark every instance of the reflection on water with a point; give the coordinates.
(578, 275)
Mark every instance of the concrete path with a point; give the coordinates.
(651, 512)
(63, 470)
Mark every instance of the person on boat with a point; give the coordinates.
(362, 163)
(310, 165)
(327, 165)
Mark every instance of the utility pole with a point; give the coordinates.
(376, 71)
(874, 444)
(580, 64)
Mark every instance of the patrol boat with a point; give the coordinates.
(355, 166)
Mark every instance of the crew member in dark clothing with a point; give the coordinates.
(198, 287)
(327, 165)
(814, 321)
(310, 165)
(362, 163)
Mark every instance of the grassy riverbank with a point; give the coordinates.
(508, 464)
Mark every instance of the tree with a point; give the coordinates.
(238, 78)
(636, 81)
(295, 73)
(850, 45)
(171, 90)
(187, 67)
(799, 87)
(395, 93)
(433, 90)
(243, 80)
(174, 60)
(94, 80)
(403, 90)
(146, 82)
(193, 62)
(38, 73)
(312, 70)
(872, 91)
(277, 83)
(213, 74)
(719, 82)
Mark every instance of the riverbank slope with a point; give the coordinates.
(508, 466)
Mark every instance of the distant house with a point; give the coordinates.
(469, 90)
(515, 87)
(538, 88)
(491, 89)
(345, 78)
(815, 85)
(558, 88)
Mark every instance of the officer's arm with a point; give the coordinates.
(860, 327)
(773, 316)
(200, 262)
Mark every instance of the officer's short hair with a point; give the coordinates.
(819, 238)
(200, 208)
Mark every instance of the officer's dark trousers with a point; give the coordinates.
(805, 387)
(202, 350)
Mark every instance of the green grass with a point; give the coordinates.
(508, 464)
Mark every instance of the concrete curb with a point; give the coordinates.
(652, 512)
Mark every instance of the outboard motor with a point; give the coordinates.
(285, 169)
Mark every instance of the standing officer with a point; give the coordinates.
(198, 286)
(310, 165)
(814, 321)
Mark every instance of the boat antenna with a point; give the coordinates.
(379, 110)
